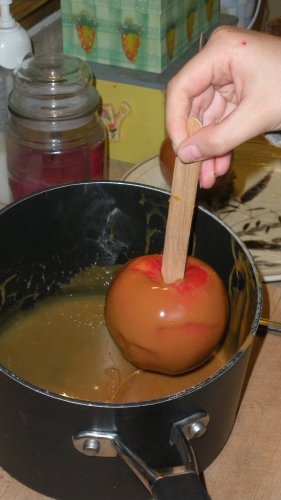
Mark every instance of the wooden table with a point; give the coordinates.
(30, 12)
(249, 467)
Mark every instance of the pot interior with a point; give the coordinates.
(60, 250)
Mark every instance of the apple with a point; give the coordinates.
(167, 160)
(168, 328)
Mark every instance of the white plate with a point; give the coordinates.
(253, 212)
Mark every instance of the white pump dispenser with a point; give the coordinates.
(15, 44)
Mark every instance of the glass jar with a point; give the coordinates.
(55, 134)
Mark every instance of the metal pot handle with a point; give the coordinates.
(181, 482)
(184, 487)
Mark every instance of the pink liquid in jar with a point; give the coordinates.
(32, 170)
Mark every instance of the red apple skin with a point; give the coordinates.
(167, 328)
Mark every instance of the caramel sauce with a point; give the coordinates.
(61, 344)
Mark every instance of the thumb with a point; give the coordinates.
(220, 138)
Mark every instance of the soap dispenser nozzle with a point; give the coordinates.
(6, 18)
(15, 43)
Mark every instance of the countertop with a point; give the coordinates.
(249, 466)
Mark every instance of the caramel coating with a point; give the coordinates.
(168, 328)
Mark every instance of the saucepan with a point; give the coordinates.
(67, 448)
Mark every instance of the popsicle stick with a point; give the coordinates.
(180, 214)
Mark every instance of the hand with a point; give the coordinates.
(234, 87)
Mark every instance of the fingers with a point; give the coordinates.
(218, 139)
(207, 174)
(178, 100)
(193, 81)
(213, 168)
(222, 164)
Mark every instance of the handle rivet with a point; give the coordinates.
(91, 447)
(197, 429)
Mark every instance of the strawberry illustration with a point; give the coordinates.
(171, 39)
(86, 30)
(189, 24)
(131, 39)
(209, 9)
(190, 19)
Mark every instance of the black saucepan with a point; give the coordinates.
(70, 449)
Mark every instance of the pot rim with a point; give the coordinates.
(180, 394)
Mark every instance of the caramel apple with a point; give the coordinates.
(168, 313)
(169, 328)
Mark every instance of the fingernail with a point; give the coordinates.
(189, 153)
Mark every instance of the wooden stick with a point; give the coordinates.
(180, 214)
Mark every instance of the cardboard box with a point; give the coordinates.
(146, 35)
(135, 119)
(135, 47)
(133, 104)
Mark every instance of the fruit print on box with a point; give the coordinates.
(209, 5)
(171, 38)
(131, 39)
(86, 30)
(145, 35)
(191, 18)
